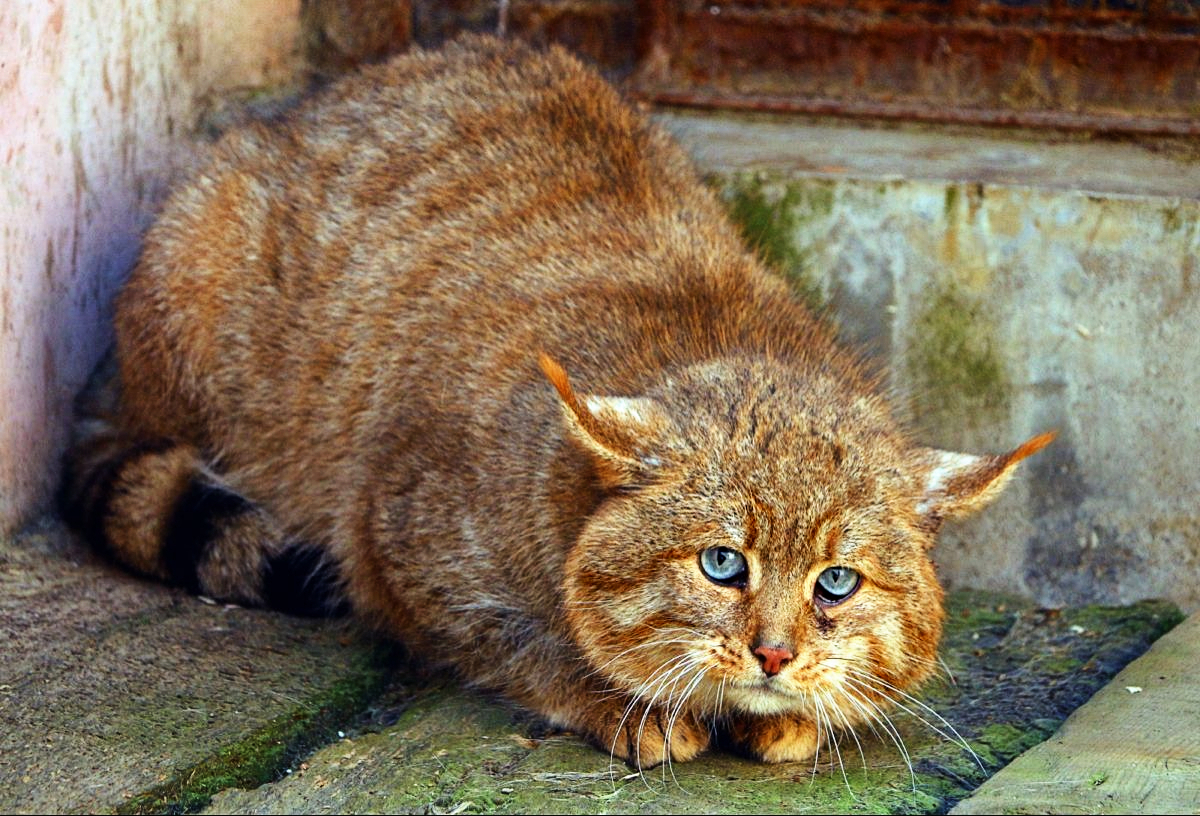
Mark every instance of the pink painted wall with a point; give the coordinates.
(98, 104)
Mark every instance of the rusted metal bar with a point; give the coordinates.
(1130, 67)
(1056, 120)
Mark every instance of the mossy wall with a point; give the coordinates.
(1005, 311)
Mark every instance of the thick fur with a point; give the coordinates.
(465, 337)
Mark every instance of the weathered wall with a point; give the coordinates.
(1062, 294)
(1012, 286)
(99, 100)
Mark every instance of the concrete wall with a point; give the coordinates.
(99, 101)
(1011, 287)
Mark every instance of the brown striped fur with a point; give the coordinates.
(465, 332)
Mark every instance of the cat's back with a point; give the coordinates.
(408, 188)
(431, 149)
(404, 241)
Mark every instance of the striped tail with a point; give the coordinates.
(154, 506)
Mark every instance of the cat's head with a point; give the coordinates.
(764, 546)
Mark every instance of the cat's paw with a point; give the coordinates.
(645, 739)
(775, 739)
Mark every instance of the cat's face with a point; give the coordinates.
(765, 548)
(769, 562)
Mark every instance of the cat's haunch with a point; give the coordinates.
(462, 342)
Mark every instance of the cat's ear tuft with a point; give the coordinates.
(956, 484)
(618, 432)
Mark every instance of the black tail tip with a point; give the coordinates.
(301, 580)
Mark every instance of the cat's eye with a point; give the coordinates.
(724, 566)
(835, 585)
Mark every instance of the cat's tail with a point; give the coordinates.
(154, 506)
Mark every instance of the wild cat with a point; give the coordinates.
(461, 343)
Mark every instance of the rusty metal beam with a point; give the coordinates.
(1120, 67)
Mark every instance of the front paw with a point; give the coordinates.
(646, 738)
(775, 739)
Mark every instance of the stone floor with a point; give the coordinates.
(1134, 747)
(118, 695)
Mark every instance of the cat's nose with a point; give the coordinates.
(773, 658)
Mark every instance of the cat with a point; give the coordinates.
(462, 344)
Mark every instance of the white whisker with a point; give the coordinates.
(949, 674)
(674, 716)
(837, 709)
(823, 715)
(676, 672)
(879, 715)
(634, 699)
(957, 737)
(649, 644)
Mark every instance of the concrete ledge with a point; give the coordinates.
(834, 150)
(1133, 748)
(121, 695)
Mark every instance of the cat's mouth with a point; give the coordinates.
(764, 683)
(778, 693)
(771, 688)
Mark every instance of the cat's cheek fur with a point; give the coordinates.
(626, 629)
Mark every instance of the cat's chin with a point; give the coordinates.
(764, 699)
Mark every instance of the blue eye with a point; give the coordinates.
(724, 566)
(835, 585)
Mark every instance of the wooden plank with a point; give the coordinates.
(1132, 748)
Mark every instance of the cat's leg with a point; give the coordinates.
(642, 733)
(777, 738)
(646, 736)
(155, 506)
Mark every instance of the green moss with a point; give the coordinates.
(1000, 742)
(1172, 221)
(974, 606)
(766, 224)
(266, 754)
(769, 215)
(1054, 664)
(1151, 619)
(458, 752)
(951, 202)
(954, 360)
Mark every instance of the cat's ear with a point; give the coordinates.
(956, 484)
(618, 432)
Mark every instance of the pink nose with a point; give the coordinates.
(773, 658)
